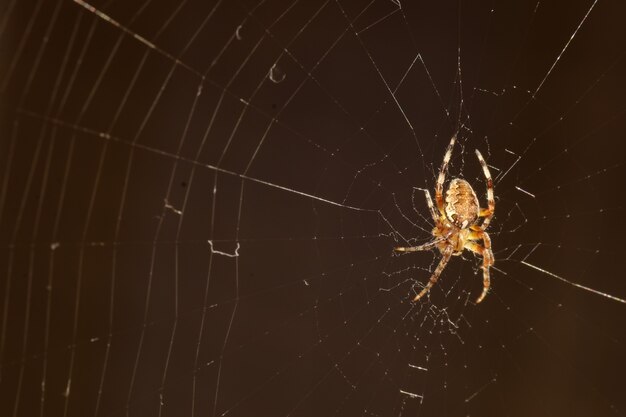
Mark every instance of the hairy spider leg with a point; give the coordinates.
(425, 246)
(431, 206)
(487, 255)
(442, 176)
(447, 254)
(491, 201)
(433, 213)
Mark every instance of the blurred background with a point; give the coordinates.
(199, 201)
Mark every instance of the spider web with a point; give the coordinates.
(199, 202)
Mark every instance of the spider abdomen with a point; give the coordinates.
(461, 203)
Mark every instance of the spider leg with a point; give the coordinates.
(491, 202)
(435, 276)
(425, 246)
(431, 206)
(488, 260)
(442, 176)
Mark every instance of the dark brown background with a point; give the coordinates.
(113, 303)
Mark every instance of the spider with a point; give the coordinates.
(457, 226)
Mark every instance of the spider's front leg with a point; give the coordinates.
(441, 178)
(431, 206)
(491, 201)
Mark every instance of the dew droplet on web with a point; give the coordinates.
(276, 74)
(238, 33)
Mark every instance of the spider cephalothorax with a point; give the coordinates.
(457, 225)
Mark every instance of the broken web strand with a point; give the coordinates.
(240, 208)
(167, 206)
(327, 375)
(77, 302)
(249, 166)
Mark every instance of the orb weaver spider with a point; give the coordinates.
(457, 225)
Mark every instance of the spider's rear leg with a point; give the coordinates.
(488, 260)
(435, 276)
